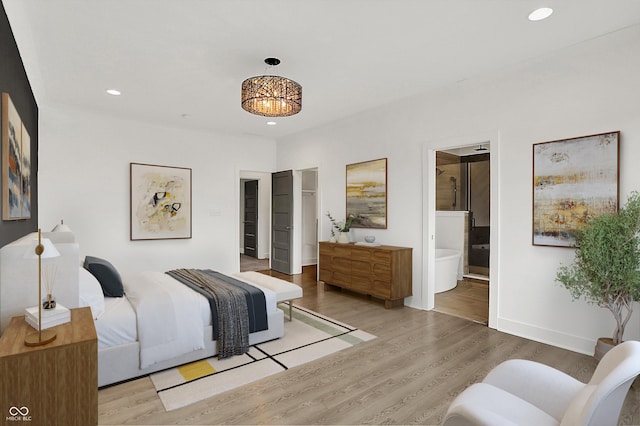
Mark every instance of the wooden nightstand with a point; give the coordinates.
(53, 384)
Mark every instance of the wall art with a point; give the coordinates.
(16, 164)
(367, 194)
(574, 180)
(160, 202)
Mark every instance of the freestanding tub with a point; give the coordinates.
(447, 263)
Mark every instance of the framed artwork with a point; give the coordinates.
(16, 164)
(574, 180)
(160, 202)
(367, 194)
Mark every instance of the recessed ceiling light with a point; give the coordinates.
(271, 123)
(540, 14)
(113, 92)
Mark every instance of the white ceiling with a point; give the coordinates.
(175, 57)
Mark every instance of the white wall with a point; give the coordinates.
(84, 179)
(589, 88)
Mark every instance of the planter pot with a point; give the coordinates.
(604, 345)
(343, 238)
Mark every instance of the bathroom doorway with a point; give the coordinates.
(463, 226)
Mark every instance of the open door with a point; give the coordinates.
(281, 221)
(250, 218)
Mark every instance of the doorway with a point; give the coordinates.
(304, 244)
(463, 225)
(258, 257)
(250, 218)
(305, 222)
(468, 178)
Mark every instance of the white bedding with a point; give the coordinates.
(117, 325)
(168, 316)
(156, 311)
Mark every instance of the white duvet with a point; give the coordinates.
(161, 303)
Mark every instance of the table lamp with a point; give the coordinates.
(44, 249)
(61, 227)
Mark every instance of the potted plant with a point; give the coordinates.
(606, 268)
(343, 227)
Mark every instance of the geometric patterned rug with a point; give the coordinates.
(307, 337)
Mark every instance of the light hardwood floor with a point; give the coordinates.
(469, 300)
(409, 375)
(248, 263)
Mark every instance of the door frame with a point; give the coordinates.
(296, 256)
(429, 216)
(243, 213)
(264, 179)
(264, 208)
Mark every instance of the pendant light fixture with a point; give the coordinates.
(271, 95)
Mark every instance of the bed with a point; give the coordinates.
(134, 337)
(157, 323)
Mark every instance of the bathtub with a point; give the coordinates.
(447, 263)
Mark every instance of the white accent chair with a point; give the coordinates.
(521, 392)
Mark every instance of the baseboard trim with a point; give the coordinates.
(547, 336)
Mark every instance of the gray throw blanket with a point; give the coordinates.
(231, 304)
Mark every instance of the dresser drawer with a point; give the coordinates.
(382, 271)
(340, 250)
(361, 268)
(340, 264)
(340, 278)
(381, 288)
(361, 254)
(324, 274)
(324, 260)
(361, 284)
(379, 256)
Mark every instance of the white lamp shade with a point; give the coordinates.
(49, 250)
(61, 227)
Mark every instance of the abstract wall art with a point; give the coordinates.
(574, 180)
(367, 194)
(16, 164)
(160, 202)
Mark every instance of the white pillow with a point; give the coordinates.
(91, 293)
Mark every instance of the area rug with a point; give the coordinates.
(307, 337)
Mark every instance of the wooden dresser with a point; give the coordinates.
(380, 271)
(53, 384)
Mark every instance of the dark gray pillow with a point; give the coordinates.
(106, 274)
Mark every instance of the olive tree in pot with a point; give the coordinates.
(606, 268)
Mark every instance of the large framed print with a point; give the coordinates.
(367, 194)
(16, 164)
(160, 202)
(574, 180)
